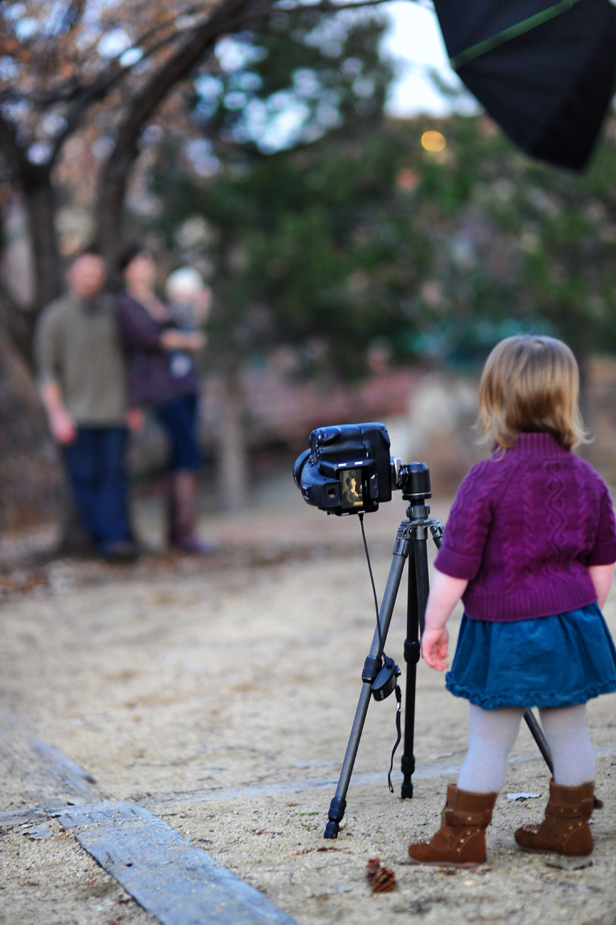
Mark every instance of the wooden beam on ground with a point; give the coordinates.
(169, 877)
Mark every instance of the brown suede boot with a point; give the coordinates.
(460, 841)
(565, 829)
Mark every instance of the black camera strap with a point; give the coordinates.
(398, 694)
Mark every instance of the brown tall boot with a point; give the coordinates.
(182, 510)
(565, 829)
(460, 841)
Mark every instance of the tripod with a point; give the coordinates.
(379, 679)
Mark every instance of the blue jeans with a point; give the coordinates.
(180, 418)
(96, 465)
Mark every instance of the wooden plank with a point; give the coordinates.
(67, 775)
(58, 759)
(169, 877)
(23, 816)
(41, 774)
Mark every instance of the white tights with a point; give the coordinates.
(492, 734)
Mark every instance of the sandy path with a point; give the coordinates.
(220, 695)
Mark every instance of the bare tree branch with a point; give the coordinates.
(327, 7)
(97, 91)
(259, 15)
(229, 16)
(126, 150)
(70, 90)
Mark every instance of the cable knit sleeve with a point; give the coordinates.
(469, 521)
(604, 551)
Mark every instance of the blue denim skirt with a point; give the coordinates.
(555, 661)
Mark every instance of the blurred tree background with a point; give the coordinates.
(435, 237)
(426, 240)
(251, 141)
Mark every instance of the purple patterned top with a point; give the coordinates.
(151, 379)
(523, 530)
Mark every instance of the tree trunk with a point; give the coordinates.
(112, 190)
(18, 318)
(40, 199)
(112, 193)
(232, 466)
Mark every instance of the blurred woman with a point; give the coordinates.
(162, 377)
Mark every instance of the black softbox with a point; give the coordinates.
(544, 71)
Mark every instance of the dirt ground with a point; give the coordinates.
(220, 694)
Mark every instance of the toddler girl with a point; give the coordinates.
(530, 548)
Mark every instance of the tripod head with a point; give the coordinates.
(414, 481)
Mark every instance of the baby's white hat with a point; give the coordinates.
(182, 284)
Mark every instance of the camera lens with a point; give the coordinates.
(298, 467)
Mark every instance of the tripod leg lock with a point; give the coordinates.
(372, 666)
(336, 814)
(386, 680)
(412, 651)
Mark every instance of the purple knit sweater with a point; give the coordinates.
(523, 530)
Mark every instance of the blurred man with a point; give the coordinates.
(81, 380)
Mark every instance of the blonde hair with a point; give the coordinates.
(530, 384)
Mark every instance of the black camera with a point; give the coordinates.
(348, 469)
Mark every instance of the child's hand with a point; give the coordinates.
(434, 643)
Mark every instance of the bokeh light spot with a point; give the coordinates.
(433, 141)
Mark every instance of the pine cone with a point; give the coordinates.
(384, 880)
(381, 879)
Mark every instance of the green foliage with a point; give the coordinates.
(306, 250)
(348, 231)
(559, 230)
(312, 72)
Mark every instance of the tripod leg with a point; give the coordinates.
(411, 657)
(418, 586)
(538, 736)
(371, 669)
